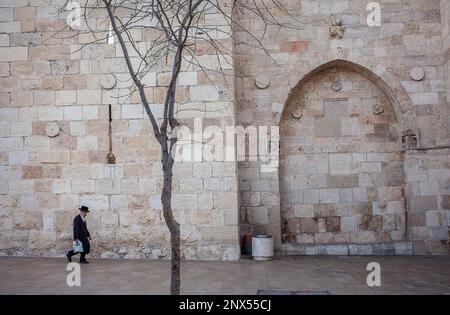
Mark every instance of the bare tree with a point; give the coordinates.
(179, 27)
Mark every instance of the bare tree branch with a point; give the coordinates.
(180, 32)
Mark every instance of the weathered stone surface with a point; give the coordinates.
(328, 127)
(344, 181)
(333, 224)
(188, 78)
(417, 73)
(65, 67)
(204, 93)
(422, 203)
(446, 202)
(309, 225)
(343, 178)
(13, 53)
(26, 39)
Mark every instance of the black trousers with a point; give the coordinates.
(86, 250)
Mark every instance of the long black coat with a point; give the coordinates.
(80, 232)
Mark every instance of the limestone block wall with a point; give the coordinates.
(427, 189)
(341, 166)
(445, 29)
(51, 79)
(403, 57)
(48, 77)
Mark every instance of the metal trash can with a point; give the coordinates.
(262, 247)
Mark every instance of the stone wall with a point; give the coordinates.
(54, 97)
(51, 79)
(445, 31)
(341, 171)
(404, 59)
(427, 189)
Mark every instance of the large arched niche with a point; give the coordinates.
(260, 204)
(341, 166)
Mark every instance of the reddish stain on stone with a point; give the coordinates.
(31, 172)
(294, 46)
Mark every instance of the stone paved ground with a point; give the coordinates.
(338, 275)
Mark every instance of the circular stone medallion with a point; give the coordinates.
(262, 82)
(377, 109)
(108, 81)
(336, 86)
(417, 74)
(52, 129)
(297, 114)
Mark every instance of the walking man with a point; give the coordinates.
(81, 233)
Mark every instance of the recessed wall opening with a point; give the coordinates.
(341, 170)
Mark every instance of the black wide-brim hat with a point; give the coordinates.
(84, 209)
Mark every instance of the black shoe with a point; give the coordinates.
(84, 262)
(69, 258)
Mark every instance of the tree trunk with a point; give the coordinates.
(172, 224)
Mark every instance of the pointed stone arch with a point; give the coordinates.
(385, 80)
(290, 177)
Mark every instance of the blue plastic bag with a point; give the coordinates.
(77, 246)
